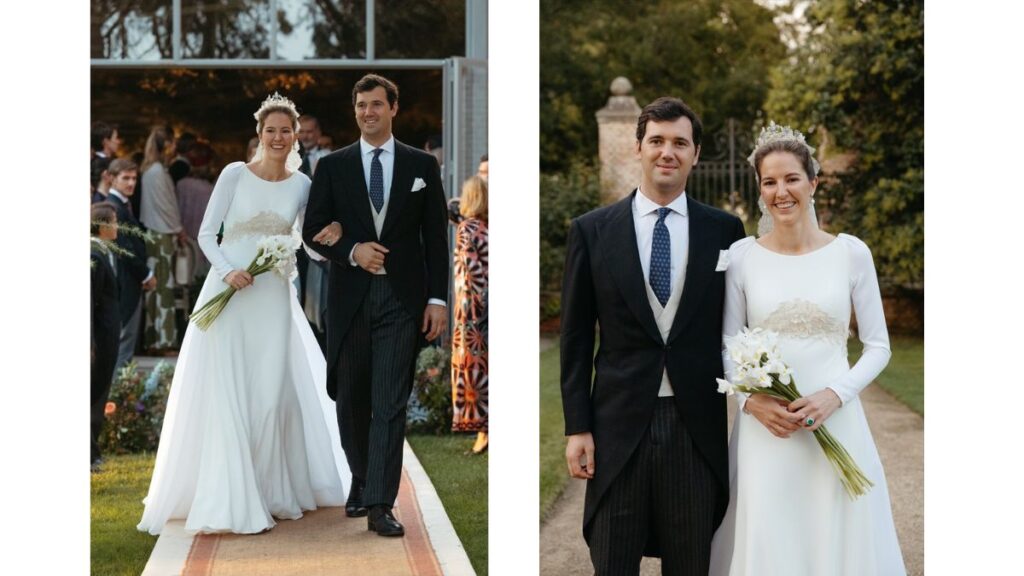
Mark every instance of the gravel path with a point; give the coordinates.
(898, 432)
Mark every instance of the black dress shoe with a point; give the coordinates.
(382, 521)
(354, 505)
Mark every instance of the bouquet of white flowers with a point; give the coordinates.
(274, 253)
(760, 370)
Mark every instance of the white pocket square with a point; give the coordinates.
(418, 184)
(723, 261)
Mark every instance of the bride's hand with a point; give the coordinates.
(238, 279)
(772, 413)
(818, 406)
(329, 235)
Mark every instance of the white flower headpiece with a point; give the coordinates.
(775, 133)
(275, 100)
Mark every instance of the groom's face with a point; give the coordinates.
(373, 114)
(667, 154)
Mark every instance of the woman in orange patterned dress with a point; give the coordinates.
(469, 337)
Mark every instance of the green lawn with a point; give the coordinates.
(553, 473)
(118, 549)
(903, 378)
(460, 478)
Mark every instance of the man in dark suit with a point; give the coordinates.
(104, 316)
(133, 273)
(387, 289)
(648, 432)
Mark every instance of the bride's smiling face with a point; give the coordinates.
(785, 187)
(277, 136)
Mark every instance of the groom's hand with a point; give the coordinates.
(435, 321)
(579, 455)
(369, 256)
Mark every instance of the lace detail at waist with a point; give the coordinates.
(803, 319)
(266, 223)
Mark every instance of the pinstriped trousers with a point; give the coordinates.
(375, 372)
(665, 493)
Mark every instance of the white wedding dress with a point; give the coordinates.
(249, 431)
(788, 514)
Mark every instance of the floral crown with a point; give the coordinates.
(775, 133)
(275, 100)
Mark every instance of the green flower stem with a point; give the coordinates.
(850, 475)
(209, 312)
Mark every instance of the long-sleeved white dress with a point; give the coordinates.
(249, 431)
(788, 513)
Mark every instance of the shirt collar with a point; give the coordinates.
(366, 148)
(645, 205)
(118, 195)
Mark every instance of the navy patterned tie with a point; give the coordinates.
(661, 259)
(377, 181)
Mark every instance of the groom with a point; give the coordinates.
(387, 289)
(647, 428)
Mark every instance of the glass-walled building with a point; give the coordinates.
(204, 67)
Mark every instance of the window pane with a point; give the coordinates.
(225, 29)
(422, 29)
(132, 30)
(321, 29)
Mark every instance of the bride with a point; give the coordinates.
(245, 437)
(788, 513)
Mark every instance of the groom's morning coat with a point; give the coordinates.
(613, 394)
(414, 232)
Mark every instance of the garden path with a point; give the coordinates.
(898, 432)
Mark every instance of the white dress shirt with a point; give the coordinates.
(645, 215)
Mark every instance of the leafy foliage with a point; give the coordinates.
(712, 53)
(430, 405)
(563, 196)
(138, 403)
(857, 85)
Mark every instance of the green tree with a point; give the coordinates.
(856, 84)
(712, 53)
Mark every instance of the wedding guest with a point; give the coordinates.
(194, 191)
(180, 166)
(309, 136)
(99, 180)
(469, 343)
(312, 274)
(160, 214)
(105, 141)
(481, 169)
(133, 274)
(105, 318)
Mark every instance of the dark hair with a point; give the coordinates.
(435, 141)
(101, 213)
(100, 132)
(372, 81)
(96, 168)
(803, 155)
(122, 165)
(666, 109)
(185, 143)
(483, 158)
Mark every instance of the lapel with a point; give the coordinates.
(699, 270)
(401, 184)
(618, 242)
(357, 182)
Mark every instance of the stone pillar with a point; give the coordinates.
(616, 131)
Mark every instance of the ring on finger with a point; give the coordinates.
(809, 421)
